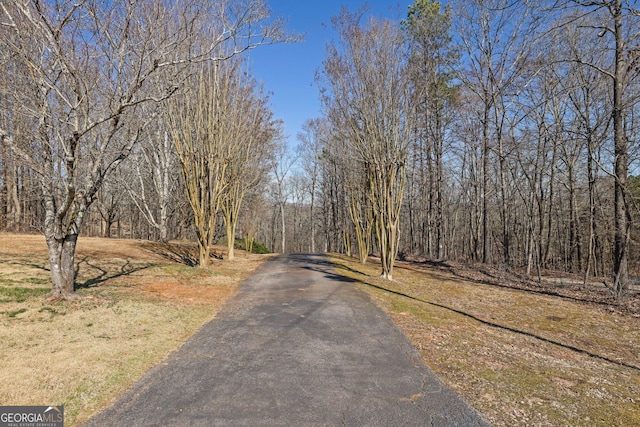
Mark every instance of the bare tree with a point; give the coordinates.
(312, 139)
(89, 69)
(334, 204)
(586, 89)
(620, 23)
(369, 101)
(281, 192)
(497, 39)
(199, 132)
(354, 193)
(251, 215)
(251, 133)
(540, 136)
(109, 204)
(361, 208)
(153, 179)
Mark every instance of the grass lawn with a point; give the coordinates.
(139, 303)
(522, 356)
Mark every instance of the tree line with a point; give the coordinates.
(107, 106)
(491, 132)
(494, 132)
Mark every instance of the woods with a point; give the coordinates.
(77, 79)
(485, 132)
(523, 119)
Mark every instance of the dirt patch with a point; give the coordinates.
(522, 355)
(186, 294)
(138, 305)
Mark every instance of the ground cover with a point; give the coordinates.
(140, 301)
(523, 353)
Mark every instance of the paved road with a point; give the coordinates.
(298, 345)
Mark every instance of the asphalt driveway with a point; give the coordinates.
(298, 345)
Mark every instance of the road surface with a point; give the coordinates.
(298, 345)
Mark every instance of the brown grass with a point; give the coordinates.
(522, 357)
(139, 303)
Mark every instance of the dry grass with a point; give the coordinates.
(520, 357)
(139, 304)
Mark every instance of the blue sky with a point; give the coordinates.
(288, 70)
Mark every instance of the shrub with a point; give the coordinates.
(258, 248)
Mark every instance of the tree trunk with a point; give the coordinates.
(204, 245)
(249, 238)
(621, 213)
(311, 212)
(231, 240)
(485, 184)
(504, 209)
(438, 193)
(62, 262)
(346, 242)
(592, 208)
(283, 226)
(575, 246)
(360, 213)
(230, 210)
(15, 210)
(164, 186)
(163, 226)
(386, 183)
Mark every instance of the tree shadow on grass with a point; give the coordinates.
(181, 254)
(105, 274)
(186, 254)
(43, 266)
(506, 328)
(324, 261)
(444, 265)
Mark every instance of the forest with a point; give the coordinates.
(495, 132)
